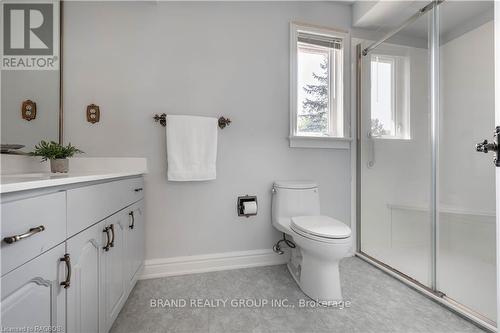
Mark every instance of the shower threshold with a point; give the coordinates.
(437, 296)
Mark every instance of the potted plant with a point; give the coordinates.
(56, 153)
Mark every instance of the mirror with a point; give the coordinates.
(30, 74)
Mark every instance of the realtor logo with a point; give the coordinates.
(29, 33)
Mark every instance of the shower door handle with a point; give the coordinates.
(486, 147)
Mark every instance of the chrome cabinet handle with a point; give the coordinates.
(131, 226)
(67, 260)
(112, 242)
(31, 232)
(107, 246)
(139, 189)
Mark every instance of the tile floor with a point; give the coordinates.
(378, 303)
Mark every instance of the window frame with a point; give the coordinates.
(339, 76)
(401, 99)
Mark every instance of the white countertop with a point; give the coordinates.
(80, 170)
(31, 181)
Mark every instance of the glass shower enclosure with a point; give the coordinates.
(425, 197)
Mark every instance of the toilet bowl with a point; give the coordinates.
(321, 241)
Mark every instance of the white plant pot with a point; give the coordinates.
(59, 165)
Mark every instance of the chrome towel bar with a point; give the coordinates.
(223, 122)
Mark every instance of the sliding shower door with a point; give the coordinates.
(394, 168)
(466, 270)
(426, 196)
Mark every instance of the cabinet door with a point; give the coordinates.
(134, 241)
(83, 292)
(112, 268)
(32, 294)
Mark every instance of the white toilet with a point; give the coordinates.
(321, 241)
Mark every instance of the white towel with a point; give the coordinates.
(191, 148)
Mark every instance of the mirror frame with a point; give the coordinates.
(61, 100)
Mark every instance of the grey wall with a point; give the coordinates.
(42, 87)
(214, 59)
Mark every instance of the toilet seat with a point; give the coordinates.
(321, 228)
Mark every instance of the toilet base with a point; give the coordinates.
(318, 276)
(320, 280)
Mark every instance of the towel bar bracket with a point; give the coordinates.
(162, 119)
(223, 122)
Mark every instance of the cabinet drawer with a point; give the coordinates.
(91, 204)
(47, 212)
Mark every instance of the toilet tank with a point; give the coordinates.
(294, 198)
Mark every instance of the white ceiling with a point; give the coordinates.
(455, 16)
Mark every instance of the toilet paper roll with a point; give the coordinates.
(250, 207)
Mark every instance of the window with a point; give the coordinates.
(390, 96)
(317, 87)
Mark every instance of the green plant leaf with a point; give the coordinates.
(53, 150)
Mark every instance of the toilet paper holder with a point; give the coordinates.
(241, 205)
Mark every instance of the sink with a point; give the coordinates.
(27, 177)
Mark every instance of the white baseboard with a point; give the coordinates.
(155, 268)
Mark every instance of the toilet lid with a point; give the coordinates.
(321, 226)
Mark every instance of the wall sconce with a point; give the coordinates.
(93, 113)
(28, 110)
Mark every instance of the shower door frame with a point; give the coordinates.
(431, 292)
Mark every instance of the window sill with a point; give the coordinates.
(391, 139)
(319, 142)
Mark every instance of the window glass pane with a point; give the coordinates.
(382, 97)
(313, 93)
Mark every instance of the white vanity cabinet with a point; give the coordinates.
(113, 267)
(31, 226)
(83, 293)
(32, 295)
(76, 272)
(134, 233)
